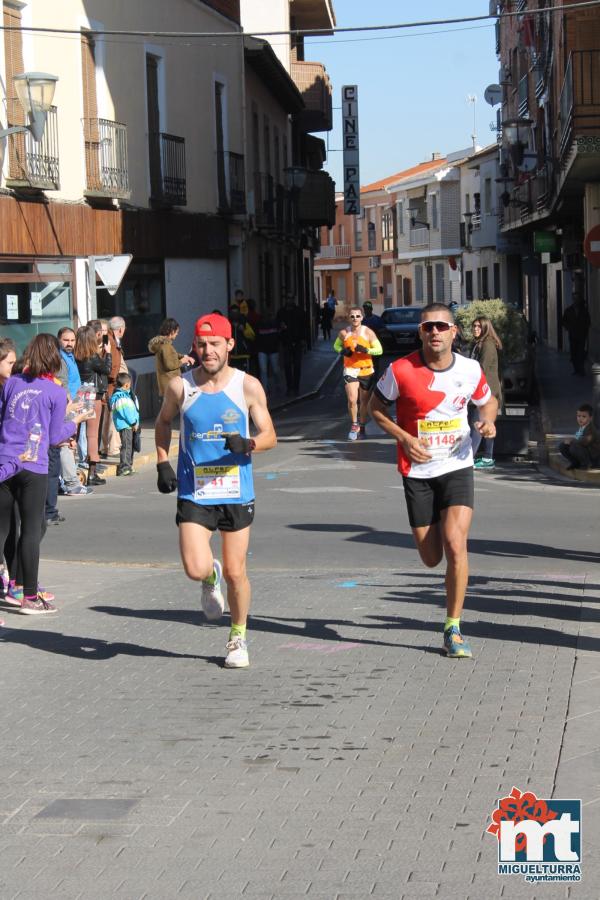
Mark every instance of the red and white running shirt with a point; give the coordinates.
(432, 404)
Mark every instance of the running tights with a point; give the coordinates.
(28, 491)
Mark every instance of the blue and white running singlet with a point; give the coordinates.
(207, 473)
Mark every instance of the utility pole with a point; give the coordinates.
(471, 98)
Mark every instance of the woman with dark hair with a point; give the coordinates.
(485, 349)
(33, 405)
(94, 363)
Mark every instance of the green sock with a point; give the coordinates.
(450, 622)
(212, 578)
(237, 631)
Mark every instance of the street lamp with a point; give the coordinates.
(295, 178)
(515, 137)
(35, 91)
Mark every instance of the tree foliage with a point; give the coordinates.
(509, 322)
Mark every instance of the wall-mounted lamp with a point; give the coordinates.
(35, 91)
(515, 137)
(295, 178)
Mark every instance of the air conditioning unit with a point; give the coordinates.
(374, 262)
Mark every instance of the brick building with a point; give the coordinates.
(549, 127)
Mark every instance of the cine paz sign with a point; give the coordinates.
(350, 147)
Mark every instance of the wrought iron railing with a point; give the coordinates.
(524, 96)
(167, 169)
(106, 165)
(334, 251)
(580, 97)
(264, 199)
(35, 163)
(419, 237)
(231, 183)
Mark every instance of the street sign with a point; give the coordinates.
(545, 242)
(111, 270)
(350, 145)
(591, 246)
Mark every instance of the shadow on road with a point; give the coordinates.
(362, 534)
(85, 647)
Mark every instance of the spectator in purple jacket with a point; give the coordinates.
(33, 406)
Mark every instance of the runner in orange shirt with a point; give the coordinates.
(358, 345)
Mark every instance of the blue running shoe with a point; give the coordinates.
(455, 645)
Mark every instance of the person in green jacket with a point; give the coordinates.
(168, 360)
(485, 349)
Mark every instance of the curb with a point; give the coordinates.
(140, 461)
(558, 464)
(291, 401)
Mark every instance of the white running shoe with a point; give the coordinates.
(237, 653)
(213, 602)
(354, 432)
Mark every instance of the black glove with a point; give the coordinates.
(235, 443)
(167, 479)
(347, 351)
(360, 348)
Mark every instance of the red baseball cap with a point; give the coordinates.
(213, 326)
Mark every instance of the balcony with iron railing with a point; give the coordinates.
(313, 83)
(580, 99)
(334, 251)
(264, 200)
(231, 180)
(34, 164)
(106, 164)
(539, 74)
(419, 237)
(524, 96)
(167, 170)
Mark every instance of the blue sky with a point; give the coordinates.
(412, 88)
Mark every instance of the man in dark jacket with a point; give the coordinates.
(576, 321)
(293, 328)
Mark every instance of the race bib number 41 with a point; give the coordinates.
(217, 483)
(443, 437)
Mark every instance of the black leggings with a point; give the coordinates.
(28, 491)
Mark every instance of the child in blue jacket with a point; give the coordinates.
(126, 418)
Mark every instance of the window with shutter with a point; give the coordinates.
(15, 115)
(91, 134)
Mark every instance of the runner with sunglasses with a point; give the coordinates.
(358, 345)
(431, 389)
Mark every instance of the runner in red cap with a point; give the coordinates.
(214, 482)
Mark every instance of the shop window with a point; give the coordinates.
(35, 296)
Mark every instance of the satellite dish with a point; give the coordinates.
(493, 94)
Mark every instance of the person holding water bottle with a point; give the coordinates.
(33, 406)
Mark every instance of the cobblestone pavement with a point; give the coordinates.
(351, 760)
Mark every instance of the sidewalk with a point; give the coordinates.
(560, 394)
(317, 363)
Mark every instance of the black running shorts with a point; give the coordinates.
(427, 497)
(224, 517)
(365, 382)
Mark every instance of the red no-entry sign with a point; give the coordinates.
(591, 246)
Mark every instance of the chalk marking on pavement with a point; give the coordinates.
(592, 712)
(590, 802)
(586, 680)
(347, 584)
(580, 755)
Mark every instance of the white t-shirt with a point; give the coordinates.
(432, 404)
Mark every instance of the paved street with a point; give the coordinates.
(352, 759)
